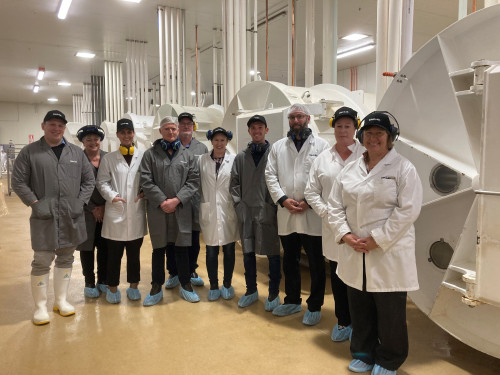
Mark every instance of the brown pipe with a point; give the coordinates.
(196, 47)
(474, 5)
(293, 42)
(267, 40)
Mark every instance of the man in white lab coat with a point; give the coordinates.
(299, 226)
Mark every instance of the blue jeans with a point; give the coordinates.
(250, 263)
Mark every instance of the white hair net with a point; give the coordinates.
(169, 120)
(297, 107)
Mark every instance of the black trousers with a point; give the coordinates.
(292, 245)
(339, 290)
(115, 254)
(193, 252)
(379, 331)
(87, 259)
(181, 255)
(213, 264)
(250, 264)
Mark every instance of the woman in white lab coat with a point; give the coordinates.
(373, 205)
(218, 220)
(324, 170)
(124, 223)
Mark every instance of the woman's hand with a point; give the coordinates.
(118, 199)
(98, 213)
(367, 243)
(355, 242)
(140, 196)
(168, 205)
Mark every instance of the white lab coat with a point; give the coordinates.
(383, 204)
(323, 172)
(122, 221)
(287, 172)
(218, 219)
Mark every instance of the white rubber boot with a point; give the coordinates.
(39, 285)
(61, 284)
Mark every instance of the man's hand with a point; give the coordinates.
(118, 199)
(168, 205)
(355, 242)
(140, 196)
(295, 207)
(98, 213)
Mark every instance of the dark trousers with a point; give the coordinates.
(87, 259)
(181, 259)
(379, 331)
(213, 264)
(193, 252)
(339, 290)
(115, 254)
(250, 263)
(292, 245)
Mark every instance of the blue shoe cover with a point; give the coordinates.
(113, 297)
(311, 318)
(151, 300)
(287, 309)
(379, 370)
(172, 282)
(102, 287)
(213, 294)
(271, 305)
(341, 333)
(246, 301)
(91, 292)
(358, 365)
(227, 293)
(197, 281)
(133, 294)
(189, 296)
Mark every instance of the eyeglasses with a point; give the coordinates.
(298, 117)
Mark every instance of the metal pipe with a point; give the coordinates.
(196, 69)
(255, 40)
(224, 55)
(106, 89)
(167, 60)
(267, 40)
(214, 66)
(474, 5)
(162, 61)
(140, 79)
(309, 50)
(179, 67)
(236, 44)
(120, 88)
(229, 54)
(394, 36)
(172, 51)
(243, 44)
(146, 78)
(381, 48)
(127, 68)
(132, 78)
(186, 87)
(406, 30)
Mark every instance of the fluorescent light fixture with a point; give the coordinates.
(355, 37)
(354, 51)
(133, 1)
(36, 88)
(193, 93)
(64, 83)
(40, 74)
(63, 9)
(85, 55)
(252, 72)
(53, 100)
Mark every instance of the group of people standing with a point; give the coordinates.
(353, 203)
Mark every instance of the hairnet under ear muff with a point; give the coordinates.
(377, 118)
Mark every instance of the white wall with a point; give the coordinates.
(18, 120)
(366, 78)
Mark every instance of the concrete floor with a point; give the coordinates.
(176, 337)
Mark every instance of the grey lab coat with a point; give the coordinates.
(162, 178)
(254, 207)
(62, 187)
(95, 200)
(197, 149)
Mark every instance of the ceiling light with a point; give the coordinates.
(53, 100)
(355, 37)
(40, 74)
(36, 88)
(193, 93)
(64, 83)
(133, 1)
(85, 55)
(63, 9)
(354, 51)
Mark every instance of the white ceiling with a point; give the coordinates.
(31, 35)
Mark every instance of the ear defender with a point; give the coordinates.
(393, 130)
(175, 145)
(195, 127)
(126, 150)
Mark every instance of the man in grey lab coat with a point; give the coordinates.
(55, 179)
(256, 213)
(187, 126)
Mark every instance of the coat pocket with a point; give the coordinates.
(41, 209)
(75, 208)
(205, 213)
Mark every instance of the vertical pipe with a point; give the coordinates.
(214, 66)
(267, 40)
(255, 39)
(330, 41)
(381, 51)
(120, 88)
(474, 5)
(394, 35)
(462, 9)
(243, 43)
(137, 80)
(236, 44)
(106, 89)
(178, 53)
(229, 53)
(289, 34)
(406, 30)
(224, 55)
(146, 78)
(172, 52)
(162, 61)
(140, 79)
(309, 50)
(167, 55)
(184, 64)
(196, 54)
(132, 78)
(127, 62)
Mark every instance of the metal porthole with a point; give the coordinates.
(440, 254)
(444, 180)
